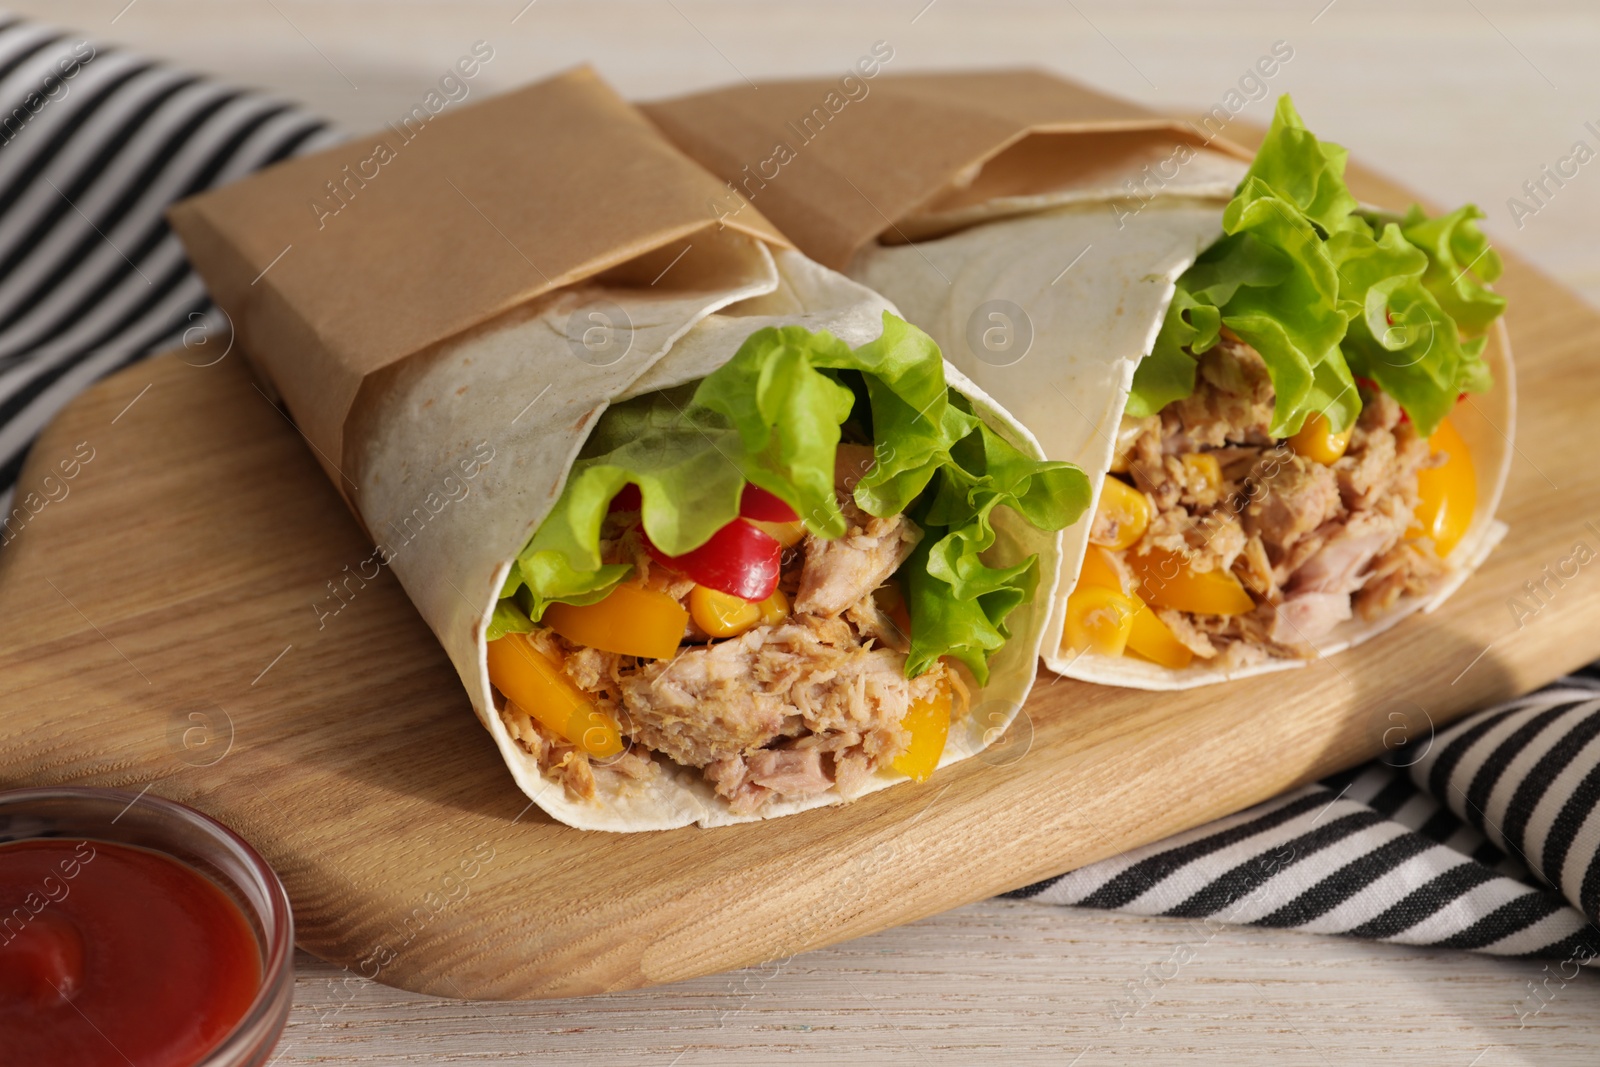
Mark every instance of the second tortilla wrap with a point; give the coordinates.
(1089, 328)
(1083, 285)
(1039, 239)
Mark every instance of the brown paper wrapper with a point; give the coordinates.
(914, 144)
(432, 339)
(335, 265)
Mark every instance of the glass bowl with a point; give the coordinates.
(202, 843)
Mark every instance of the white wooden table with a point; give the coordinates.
(1463, 99)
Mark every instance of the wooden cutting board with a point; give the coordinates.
(169, 625)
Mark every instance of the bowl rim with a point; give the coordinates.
(277, 923)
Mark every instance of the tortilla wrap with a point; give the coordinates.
(416, 420)
(447, 315)
(1091, 320)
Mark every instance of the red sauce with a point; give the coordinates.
(111, 954)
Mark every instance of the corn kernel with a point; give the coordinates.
(722, 614)
(774, 609)
(1099, 620)
(1121, 515)
(1318, 442)
(1203, 467)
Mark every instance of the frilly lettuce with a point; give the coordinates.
(772, 416)
(1327, 292)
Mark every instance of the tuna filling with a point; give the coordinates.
(805, 706)
(1313, 544)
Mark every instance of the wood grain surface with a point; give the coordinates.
(1001, 982)
(171, 624)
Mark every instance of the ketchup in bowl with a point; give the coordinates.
(111, 954)
(136, 931)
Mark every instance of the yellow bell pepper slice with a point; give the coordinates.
(1098, 570)
(1166, 580)
(929, 723)
(1153, 639)
(1148, 636)
(1099, 620)
(1122, 509)
(722, 614)
(532, 681)
(1449, 493)
(631, 621)
(1318, 441)
(787, 534)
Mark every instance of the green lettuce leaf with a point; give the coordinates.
(1402, 335)
(786, 412)
(1167, 373)
(508, 618)
(772, 416)
(1326, 292)
(1458, 256)
(958, 603)
(1408, 345)
(688, 484)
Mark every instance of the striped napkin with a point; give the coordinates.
(94, 144)
(1485, 837)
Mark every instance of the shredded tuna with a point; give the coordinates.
(839, 572)
(1313, 544)
(590, 668)
(810, 705)
(789, 773)
(748, 782)
(873, 622)
(1231, 403)
(631, 763)
(1211, 541)
(1293, 496)
(1183, 627)
(1340, 565)
(555, 757)
(810, 684)
(806, 675)
(1255, 570)
(1404, 570)
(1305, 617)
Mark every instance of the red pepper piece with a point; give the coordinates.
(739, 560)
(756, 503)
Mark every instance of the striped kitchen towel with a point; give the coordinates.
(1484, 837)
(95, 143)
